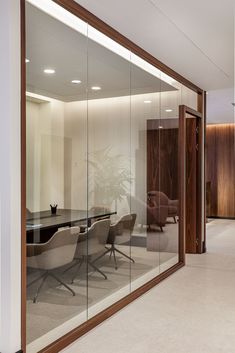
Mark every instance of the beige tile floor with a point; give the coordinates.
(193, 311)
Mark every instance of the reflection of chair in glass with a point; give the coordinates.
(157, 215)
(119, 233)
(57, 252)
(162, 200)
(90, 243)
(149, 212)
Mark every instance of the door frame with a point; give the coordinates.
(199, 206)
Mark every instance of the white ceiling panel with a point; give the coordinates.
(193, 37)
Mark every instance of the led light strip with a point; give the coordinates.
(74, 22)
(38, 96)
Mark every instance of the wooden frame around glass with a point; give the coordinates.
(92, 20)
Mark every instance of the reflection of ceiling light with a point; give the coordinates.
(49, 71)
(72, 21)
(76, 82)
(27, 61)
(147, 102)
(160, 127)
(168, 110)
(96, 88)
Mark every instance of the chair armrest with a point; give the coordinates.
(35, 249)
(157, 215)
(174, 203)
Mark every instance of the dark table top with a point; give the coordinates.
(63, 217)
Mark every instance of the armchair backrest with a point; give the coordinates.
(94, 240)
(158, 198)
(124, 225)
(57, 252)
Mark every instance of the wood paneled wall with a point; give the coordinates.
(162, 157)
(220, 170)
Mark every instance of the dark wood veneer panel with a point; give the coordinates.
(220, 166)
(191, 185)
(162, 160)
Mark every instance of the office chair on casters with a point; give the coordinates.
(90, 243)
(122, 228)
(47, 257)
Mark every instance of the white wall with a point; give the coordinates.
(45, 154)
(10, 232)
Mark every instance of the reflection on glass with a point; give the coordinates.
(56, 175)
(143, 108)
(109, 170)
(102, 174)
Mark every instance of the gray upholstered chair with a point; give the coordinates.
(119, 233)
(55, 253)
(91, 243)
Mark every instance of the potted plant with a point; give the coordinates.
(109, 177)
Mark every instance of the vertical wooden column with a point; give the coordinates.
(182, 189)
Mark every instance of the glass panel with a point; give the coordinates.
(56, 176)
(168, 195)
(109, 176)
(145, 111)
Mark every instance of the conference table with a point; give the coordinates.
(40, 226)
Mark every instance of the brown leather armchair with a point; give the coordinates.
(160, 199)
(155, 214)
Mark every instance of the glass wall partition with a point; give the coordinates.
(109, 174)
(102, 171)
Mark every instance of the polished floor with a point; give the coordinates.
(193, 311)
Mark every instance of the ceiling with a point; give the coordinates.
(195, 38)
(47, 46)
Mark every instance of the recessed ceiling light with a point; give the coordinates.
(168, 110)
(27, 60)
(49, 71)
(76, 82)
(147, 102)
(95, 88)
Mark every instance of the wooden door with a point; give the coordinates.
(190, 181)
(191, 185)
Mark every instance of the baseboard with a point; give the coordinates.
(203, 247)
(219, 217)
